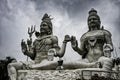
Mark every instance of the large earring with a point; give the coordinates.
(49, 31)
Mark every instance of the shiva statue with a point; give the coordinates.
(41, 50)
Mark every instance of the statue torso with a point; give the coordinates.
(42, 46)
(93, 42)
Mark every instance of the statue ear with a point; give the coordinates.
(49, 31)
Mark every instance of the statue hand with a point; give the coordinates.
(29, 41)
(23, 46)
(74, 42)
(67, 38)
(97, 64)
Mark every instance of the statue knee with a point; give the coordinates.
(11, 69)
(9, 65)
(108, 64)
(105, 59)
(109, 60)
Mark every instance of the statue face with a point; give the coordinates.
(44, 27)
(93, 22)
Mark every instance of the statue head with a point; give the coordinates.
(46, 25)
(93, 20)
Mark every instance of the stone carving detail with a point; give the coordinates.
(63, 74)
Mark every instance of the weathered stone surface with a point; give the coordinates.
(56, 74)
(51, 74)
(48, 74)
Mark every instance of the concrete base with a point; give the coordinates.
(56, 74)
(48, 75)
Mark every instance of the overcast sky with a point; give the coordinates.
(69, 17)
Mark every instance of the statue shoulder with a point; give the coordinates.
(83, 37)
(107, 33)
(54, 39)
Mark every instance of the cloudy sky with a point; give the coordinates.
(69, 17)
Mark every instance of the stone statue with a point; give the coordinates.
(93, 41)
(92, 46)
(42, 50)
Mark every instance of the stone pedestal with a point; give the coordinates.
(76, 74)
(48, 75)
(52, 74)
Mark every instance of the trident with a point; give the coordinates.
(31, 31)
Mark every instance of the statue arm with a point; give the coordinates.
(75, 47)
(108, 39)
(60, 51)
(30, 53)
(28, 50)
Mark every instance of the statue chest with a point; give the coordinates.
(43, 45)
(94, 37)
(97, 34)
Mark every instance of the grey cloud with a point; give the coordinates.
(78, 9)
(73, 7)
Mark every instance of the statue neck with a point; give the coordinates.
(43, 34)
(94, 28)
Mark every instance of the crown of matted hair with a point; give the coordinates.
(92, 11)
(47, 19)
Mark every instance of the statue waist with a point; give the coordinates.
(92, 57)
(38, 59)
(41, 51)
